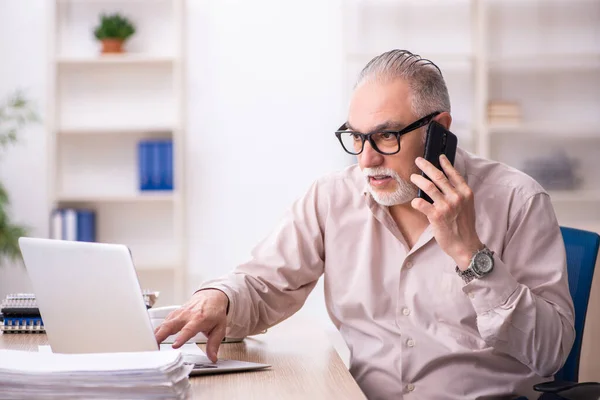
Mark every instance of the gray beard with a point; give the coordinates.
(404, 193)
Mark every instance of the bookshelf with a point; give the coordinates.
(545, 57)
(100, 107)
(536, 61)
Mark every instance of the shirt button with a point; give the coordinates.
(409, 264)
(410, 387)
(471, 295)
(405, 311)
(410, 343)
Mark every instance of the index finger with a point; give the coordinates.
(436, 175)
(167, 329)
(453, 175)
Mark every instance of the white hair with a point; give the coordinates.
(429, 91)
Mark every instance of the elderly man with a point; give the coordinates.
(465, 297)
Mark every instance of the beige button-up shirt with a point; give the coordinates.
(414, 328)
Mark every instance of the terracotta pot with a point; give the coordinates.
(112, 46)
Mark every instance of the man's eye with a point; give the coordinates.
(387, 135)
(355, 136)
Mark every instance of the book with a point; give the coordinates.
(504, 112)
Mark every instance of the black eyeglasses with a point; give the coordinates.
(386, 142)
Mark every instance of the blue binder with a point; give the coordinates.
(86, 226)
(73, 224)
(144, 165)
(155, 165)
(168, 165)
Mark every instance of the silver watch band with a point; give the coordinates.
(467, 275)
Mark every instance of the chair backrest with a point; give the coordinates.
(582, 251)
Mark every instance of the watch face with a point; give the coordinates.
(483, 263)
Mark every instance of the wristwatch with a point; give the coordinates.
(481, 264)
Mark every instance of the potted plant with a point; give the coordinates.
(113, 31)
(15, 113)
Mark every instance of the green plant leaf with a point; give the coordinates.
(15, 113)
(9, 241)
(114, 26)
(9, 232)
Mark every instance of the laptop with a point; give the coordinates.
(90, 301)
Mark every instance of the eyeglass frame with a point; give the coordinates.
(368, 136)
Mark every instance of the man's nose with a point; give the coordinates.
(370, 158)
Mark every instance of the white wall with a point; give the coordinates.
(264, 99)
(23, 167)
(264, 102)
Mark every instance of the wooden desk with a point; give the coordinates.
(304, 366)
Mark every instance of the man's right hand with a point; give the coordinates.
(205, 312)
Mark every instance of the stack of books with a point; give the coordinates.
(19, 312)
(132, 375)
(504, 113)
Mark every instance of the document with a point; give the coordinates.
(132, 375)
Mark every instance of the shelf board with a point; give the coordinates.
(578, 196)
(120, 130)
(150, 197)
(546, 62)
(550, 130)
(118, 59)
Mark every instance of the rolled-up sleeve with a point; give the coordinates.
(282, 271)
(523, 306)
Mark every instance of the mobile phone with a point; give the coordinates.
(439, 141)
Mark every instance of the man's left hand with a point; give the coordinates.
(452, 214)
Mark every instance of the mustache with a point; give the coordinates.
(367, 172)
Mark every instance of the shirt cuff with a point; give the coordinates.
(493, 289)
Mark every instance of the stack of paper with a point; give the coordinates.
(135, 375)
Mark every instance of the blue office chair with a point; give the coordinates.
(582, 252)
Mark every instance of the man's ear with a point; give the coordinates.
(445, 119)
